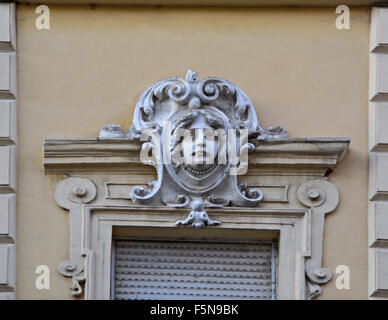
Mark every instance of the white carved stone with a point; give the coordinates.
(211, 104)
(317, 155)
(317, 196)
(92, 224)
(293, 225)
(295, 194)
(112, 131)
(71, 194)
(322, 197)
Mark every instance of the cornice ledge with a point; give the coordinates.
(94, 154)
(334, 148)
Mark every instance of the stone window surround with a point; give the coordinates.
(302, 164)
(293, 226)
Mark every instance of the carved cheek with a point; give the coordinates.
(211, 151)
(187, 147)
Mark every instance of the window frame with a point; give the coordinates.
(293, 226)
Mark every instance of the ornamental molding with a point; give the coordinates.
(284, 179)
(182, 119)
(317, 155)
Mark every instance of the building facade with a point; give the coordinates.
(90, 209)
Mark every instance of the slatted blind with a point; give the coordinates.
(168, 270)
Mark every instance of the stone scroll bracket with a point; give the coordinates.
(71, 194)
(322, 197)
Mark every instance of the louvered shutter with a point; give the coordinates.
(194, 270)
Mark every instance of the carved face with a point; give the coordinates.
(199, 146)
(198, 149)
(200, 152)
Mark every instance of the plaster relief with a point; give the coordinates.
(197, 132)
(199, 136)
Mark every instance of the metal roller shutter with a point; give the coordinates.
(194, 270)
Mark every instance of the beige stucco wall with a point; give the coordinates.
(90, 68)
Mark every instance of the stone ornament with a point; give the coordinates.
(198, 217)
(76, 190)
(70, 194)
(165, 97)
(294, 187)
(112, 131)
(68, 269)
(208, 105)
(322, 197)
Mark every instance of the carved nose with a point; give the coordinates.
(199, 148)
(199, 143)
